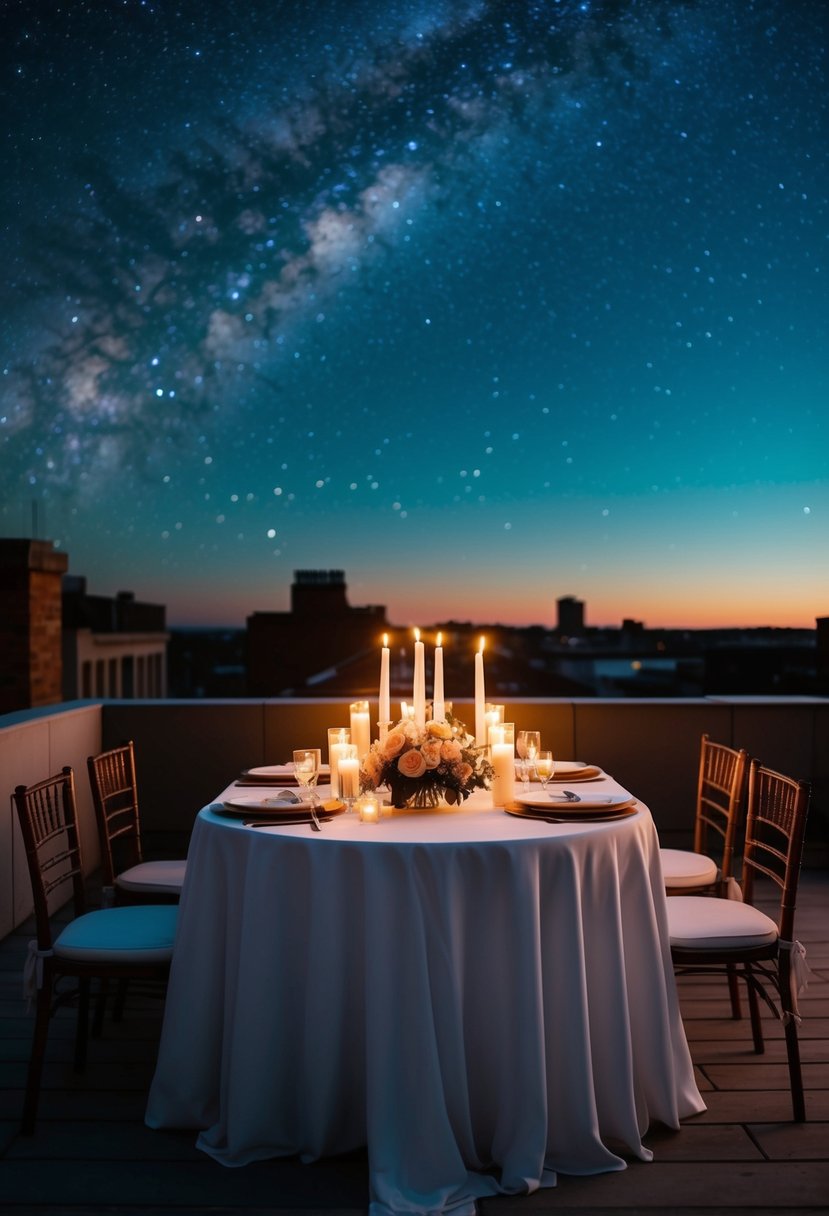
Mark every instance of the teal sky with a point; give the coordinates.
(484, 304)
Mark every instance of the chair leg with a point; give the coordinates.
(734, 993)
(754, 1011)
(792, 1044)
(82, 1025)
(100, 1008)
(35, 1072)
(795, 1073)
(120, 1000)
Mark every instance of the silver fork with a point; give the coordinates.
(315, 823)
(568, 794)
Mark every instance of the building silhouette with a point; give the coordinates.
(570, 617)
(58, 643)
(289, 651)
(113, 646)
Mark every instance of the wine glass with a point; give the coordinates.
(527, 746)
(306, 769)
(545, 766)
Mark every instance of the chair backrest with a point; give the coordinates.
(115, 798)
(48, 819)
(720, 793)
(775, 826)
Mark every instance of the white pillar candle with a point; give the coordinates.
(503, 764)
(480, 698)
(349, 777)
(438, 704)
(338, 743)
(419, 689)
(383, 708)
(360, 728)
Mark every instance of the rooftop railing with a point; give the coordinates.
(187, 751)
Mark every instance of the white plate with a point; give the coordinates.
(272, 807)
(556, 804)
(575, 769)
(279, 770)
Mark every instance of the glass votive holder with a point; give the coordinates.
(368, 808)
(338, 738)
(360, 727)
(508, 733)
(349, 774)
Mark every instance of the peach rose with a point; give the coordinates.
(373, 767)
(439, 730)
(450, 750)
(412, 764)
(464, 772)
(394, 744)
(430, 751)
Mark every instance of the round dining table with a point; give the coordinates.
(480, 1000)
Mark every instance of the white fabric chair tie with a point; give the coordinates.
(799, 975)
(33, 971)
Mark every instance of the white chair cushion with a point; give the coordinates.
(696, 922)
(141, 933)
(683, 868)
(164, 877)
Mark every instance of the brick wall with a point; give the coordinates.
(30, 624)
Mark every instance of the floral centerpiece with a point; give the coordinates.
(426, 765)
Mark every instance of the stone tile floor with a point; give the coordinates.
(91, 1154)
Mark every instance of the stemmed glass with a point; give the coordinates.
(306, 768)
(545, 766)
(527, 745)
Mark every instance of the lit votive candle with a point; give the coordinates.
(368, 808)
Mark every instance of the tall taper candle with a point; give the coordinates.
(419, 690)
(480, 698)
(438, 706)
(383, 709)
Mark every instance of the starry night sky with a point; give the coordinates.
(484, 303)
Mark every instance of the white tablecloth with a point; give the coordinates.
(481, 1000)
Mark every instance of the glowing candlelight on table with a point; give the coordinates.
(480, 697)
(503, 763)
(338, 742)
(419, 690)
(360, 727)
(383, 709)
(494, 716)
(406, 711)
(368, 808)
(439, 705)
(349, 775)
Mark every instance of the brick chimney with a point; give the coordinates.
(31, 573)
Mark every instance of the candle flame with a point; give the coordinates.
(417, 635)
(483, 643)
(440, 639)
(385, 639)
